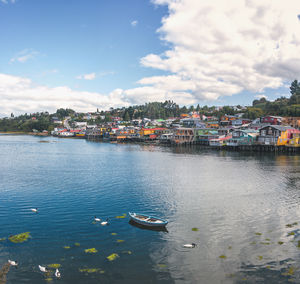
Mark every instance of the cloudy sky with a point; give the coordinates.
(88, 54)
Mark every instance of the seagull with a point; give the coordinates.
(97, 219)
(34, 210)
(57, 273)
(42, 268)
(13, 263)
(104, 223)
(192, 245)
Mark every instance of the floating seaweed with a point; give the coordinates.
(67, 247)
(3, 271)
(113, 234)
(121, 216)
(113, 256)
(291, 225)
(258, 234)
(77, 244)
(260, 257)
(291, 233)
(162, 265)
(54, 265)
(268, 240)
(195, 229)
(2, 239)
(91, 270)
(298, 245)
(223, 256)
(127, 252)
(20, 238)
(265, 243)
(280, 243)
(91, 250)
(120, 241)
(289, 272)
(49, 279)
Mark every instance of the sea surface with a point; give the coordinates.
(241, 209)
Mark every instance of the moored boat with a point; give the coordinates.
(147, 220)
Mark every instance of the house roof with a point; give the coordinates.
(280, 127)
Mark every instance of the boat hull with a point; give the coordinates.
(158, 223)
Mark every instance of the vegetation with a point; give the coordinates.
(20, 238)
(154, 110)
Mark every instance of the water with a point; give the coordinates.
(230, 197)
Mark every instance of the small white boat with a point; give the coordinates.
(147, 220)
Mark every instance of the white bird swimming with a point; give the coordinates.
(192, 245)
(97, 219)
(34, 210)
(104, 223)
(57, 273)
(42, 268)
(12, 262)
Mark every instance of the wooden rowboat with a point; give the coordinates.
(147, 220)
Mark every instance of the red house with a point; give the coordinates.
(272, 120)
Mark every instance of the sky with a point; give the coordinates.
(89, 54)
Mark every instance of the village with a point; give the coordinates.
(267, 133)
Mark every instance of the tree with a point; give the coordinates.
(295, 88)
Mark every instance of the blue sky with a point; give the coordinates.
(101, 53)
(69, 38)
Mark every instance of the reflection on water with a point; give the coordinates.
(245, 206)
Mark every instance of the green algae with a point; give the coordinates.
(265, 243)
(113, 234)
(280, 243)
(127, 252)
(291, 225)
(289, 272)
(258, 234)
(89, 270)
(120, 241)
(49, 279)
(253, 243)
(2, 239)
(54, 265)
(260, 257)
(161, 265)
(77, 244)
(291, 233)
(67, 247)
(298, 244)
(267, 240)
(19, 238)
(113, 256)
(230, 247)
(121, 216)
(223, 256)
(91, 250)
(195, 229)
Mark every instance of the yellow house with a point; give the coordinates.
(147, 131)
(294, 141)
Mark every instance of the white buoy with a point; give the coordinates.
(42, 268)
(192, 245)
(13, 263)
(57, 273)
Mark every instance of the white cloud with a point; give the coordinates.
(134, 23)
(90, 76)
(24, 56)
(20, 95)
(220, 48)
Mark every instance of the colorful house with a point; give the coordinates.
(243, 137)
(273, 120)
(276, 135)
(294, 141)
